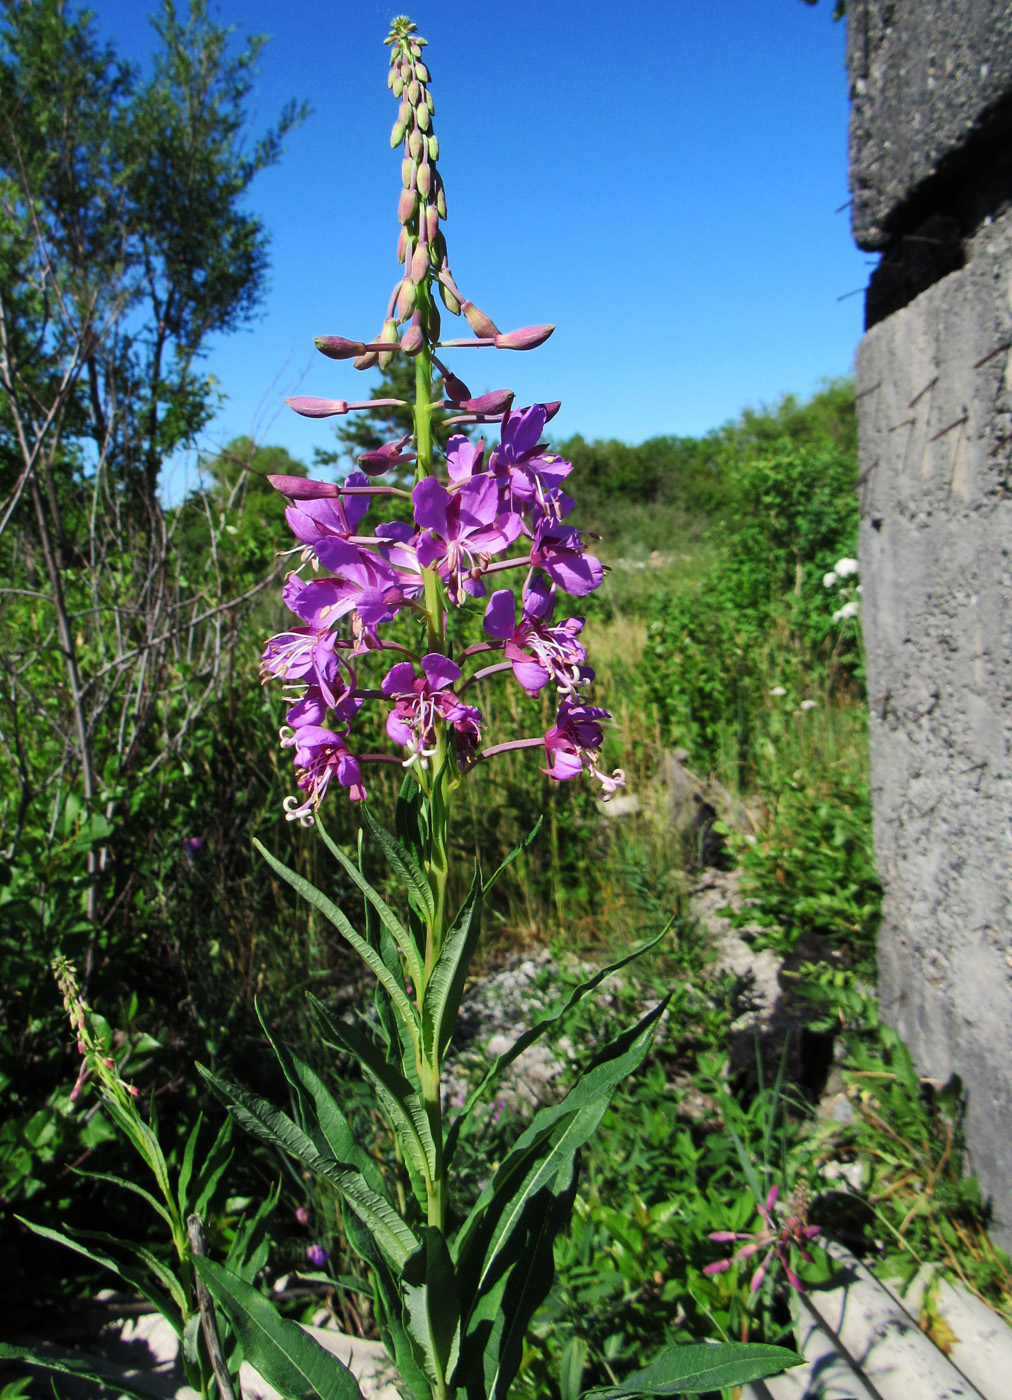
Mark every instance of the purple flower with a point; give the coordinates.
(522, 459)
(773, 1237)
(559, 550)
(572, 742)
(539, 653)
(320, 755)
(363, 583)
(302, 1216)
(464, 458)
(461, 531)
(320, 517)
(421, 700)
(317, 1255)
(310, 655)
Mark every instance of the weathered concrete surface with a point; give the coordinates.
(934, 385)
(930, 81)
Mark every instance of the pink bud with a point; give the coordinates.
(431, 222)
(481, 324)
(317, 408)
(335, 347)
(406, 298)
(551, 409)
(420, 264)
(299, 488)
(402, 245)
(455, 389)
(526, 338)
(424, 178)
(367, 361)
(406, 206)
(412, 341)
(302, 1215)
(498, 401)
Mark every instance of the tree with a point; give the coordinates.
(125, 246)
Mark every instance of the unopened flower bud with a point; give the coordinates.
(480, 323)
(449, 300)
(551, 409)
(424, 179)
(431, 321)
(415, 143)
(416, 50)
(526, 338)
(367, 361)
(396, 135)
(422, 118)
(407, 206)
(420, 264)
(300, 488)
(335, 347)
(407, 167)
(404, 112)
(398, 86)
(318, 408)
(441, 199)
(413, 340)
(455, 389)
(406, 298)
(402, 244)
(391, 78)
(405, 70)
(433, 147)
(422, 72)
(414, 92)
(389, 336)
(432, 222)
(430, 104)
(498, 401)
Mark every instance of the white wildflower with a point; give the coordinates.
(829, 580)
(846, 568)
(809, 704)
(778, 690)
(848, 610)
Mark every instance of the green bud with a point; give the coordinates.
(404, 115)
(415, 142)
(424, 179)
(429, 103)
(402, 245)
(421, 72)
(397, 135)
(449, 300)
(389, 337)
(441, 201)
(391, 78)
(431, 319)
(432, 223)
(422, 117)
(414, 92)
(405, 70)
(437, 249)
(407, 206)
(433, 147)
(407, 166)
(398, 86)
(416, 51)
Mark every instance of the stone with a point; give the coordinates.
(931, 113)
(934, 392)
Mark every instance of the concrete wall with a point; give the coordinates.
(934, 384)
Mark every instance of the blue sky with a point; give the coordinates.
(659, 178)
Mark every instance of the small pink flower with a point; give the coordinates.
(774, 1237)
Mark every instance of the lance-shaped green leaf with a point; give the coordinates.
(387, 1302)
(389, 919)
(534, 1033)
(411, 823)
(543, 1152)
(286, 1356)
(403, 864)
(131, 1186)
(250, 1247)
(82, 1369)
(398, 1102)
(330, 911)
(392, 1236)
(431, 1306)
(700, 1367)
(136, 1278)
(212, 1169)
(445, 986)
(492, 1349)
(517, 850)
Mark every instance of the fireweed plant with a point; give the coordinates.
(485, 528)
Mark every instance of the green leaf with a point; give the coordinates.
(696, 1368)
(368, 955)
(287, 1358)
(431, 1307)
(403, 864)
(517, 850)
(132, 1186)
(572, 1364)
(137, 1278)
(186, 1166)
(534, 1033)
(445, 986)
(399, 1103)
(83, 1370)
(544, 1151)
(392, 1236)
(248, 1252)
(213, 1169)
(389, 919)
